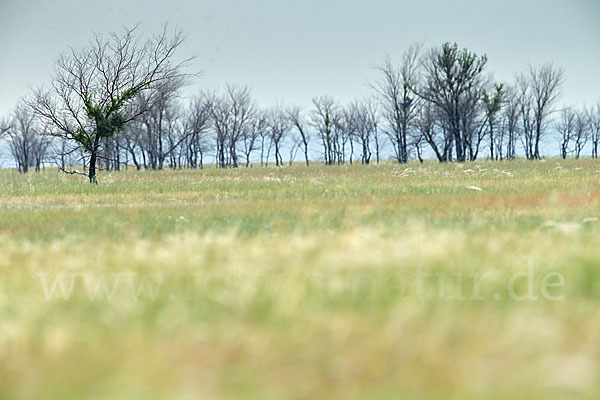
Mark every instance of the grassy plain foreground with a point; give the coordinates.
(474, 281)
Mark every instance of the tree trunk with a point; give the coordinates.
(93, 158)
(92, 168)
(306, 153)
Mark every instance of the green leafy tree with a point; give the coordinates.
(453, 81)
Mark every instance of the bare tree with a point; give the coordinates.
(565, 128)
(4, 127)
(264, 158)
(375, 117)
(526, 114)
(134, 144)
(62, 152)
(362, 126)
(27, 145)
(295, 142)
(473, 122)
(161, 129)
(279, 126)
(197, 125)
(176, 136)
(539, 90)
(323, 118)
(93, 88)
(417, 142)
(231, 113)
(594, 121)
(252, 133)
(395, 89)
(509, 122)
(297, 120)
(347, 133)
(581, 132)
(431, 127)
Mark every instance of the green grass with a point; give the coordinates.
(345, 282)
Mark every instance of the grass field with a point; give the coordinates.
(459, 281)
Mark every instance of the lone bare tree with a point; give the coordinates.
(252, 132)
(279, 126)
(92, 92)
(297, 120)
(539, 90)
(582, 132)
(565, 129)
(395, 89)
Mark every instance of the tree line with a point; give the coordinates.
(118, 103)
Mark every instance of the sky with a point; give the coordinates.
(288, 51)
(291, 51)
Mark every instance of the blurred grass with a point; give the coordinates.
(344, 282)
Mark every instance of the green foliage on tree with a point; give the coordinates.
(460, 66)
(108, 119)
(493, 102)
(453, 83)
(493, 105)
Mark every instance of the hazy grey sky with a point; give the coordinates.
(293, 50)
